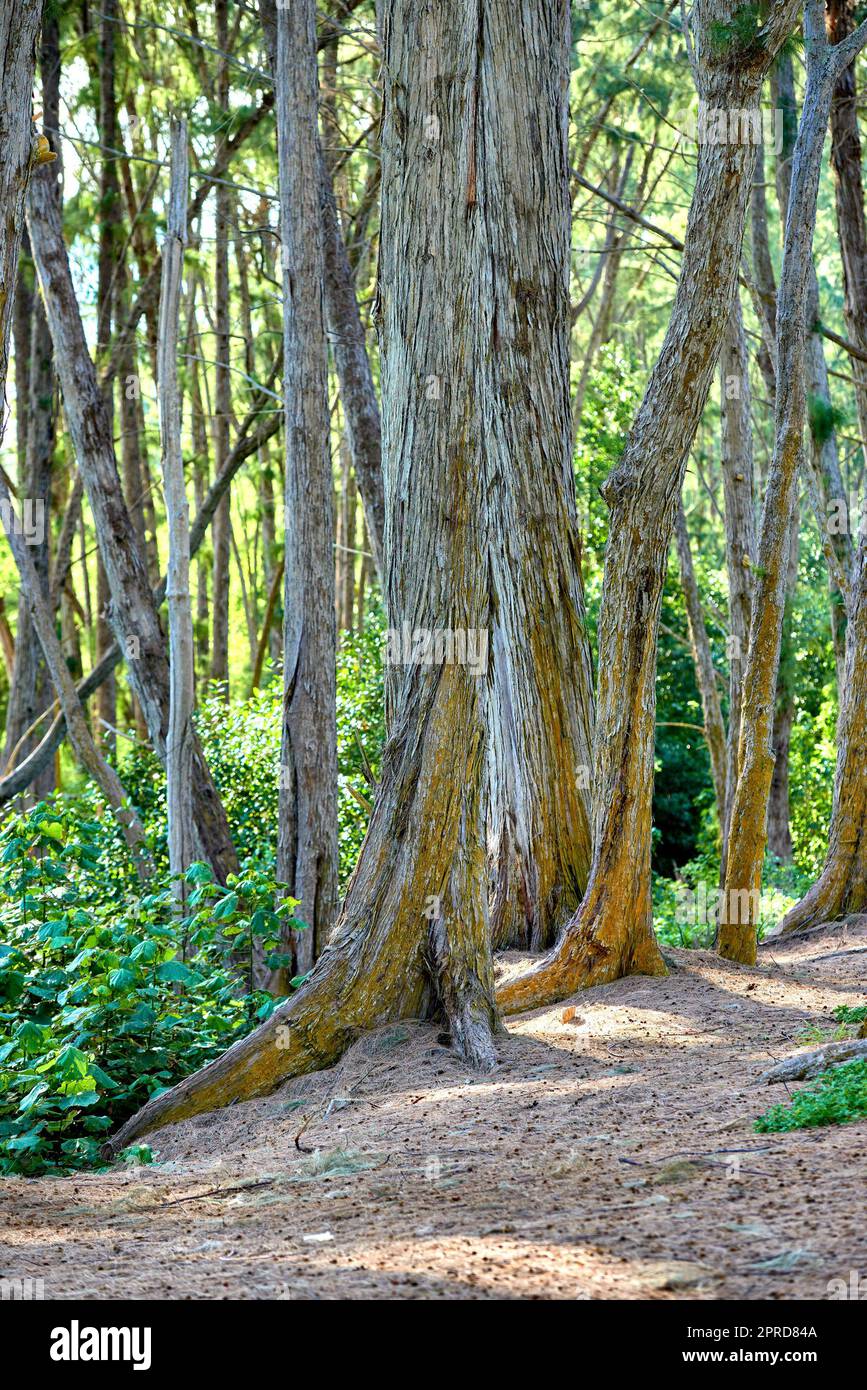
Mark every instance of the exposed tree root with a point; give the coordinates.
(594, 950)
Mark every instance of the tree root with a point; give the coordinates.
(588, 954)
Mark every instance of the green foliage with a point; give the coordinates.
(824, 419)
(838, 1097)
(98, 1007)
(845, 1014)
(740, 36)
(360, 732)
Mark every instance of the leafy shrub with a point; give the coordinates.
(98, 1007)
(837, 1097)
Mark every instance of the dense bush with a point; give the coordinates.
(98, 1007)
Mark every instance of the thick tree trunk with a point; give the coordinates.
(134, 613)
(612, 933)
(460, 416)
(307, 835)
(842, 886)
(737, 935)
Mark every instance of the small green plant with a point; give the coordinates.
(845, 1014)
(838, 1097)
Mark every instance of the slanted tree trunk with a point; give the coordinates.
(134, 613)
(79, 734)
(467, 435)
(19, 25)
(179, 736)
(612, 933)
(705, 671)
(741, 903)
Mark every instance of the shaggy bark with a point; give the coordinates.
(134, 614)
(612, 934)
(737, 936)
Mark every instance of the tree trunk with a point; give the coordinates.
(19, 27)
(779, 829)
(179, 737)
(740, 528)
(461, 373)
(612, 933)
(849, 196)
(223, 389)
(705, 671)
(30, 690)
(842, 886)
(741, 903)
(134, 614)
(346, 330)
(307, 837)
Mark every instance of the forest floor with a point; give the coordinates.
(611, 1155)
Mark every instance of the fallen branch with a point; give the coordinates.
(807, 1064)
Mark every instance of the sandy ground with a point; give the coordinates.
(611, 1155)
